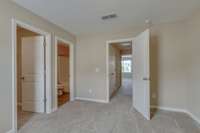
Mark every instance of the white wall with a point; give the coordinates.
(9, 10)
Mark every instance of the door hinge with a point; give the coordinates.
(44, 43)
(45, 71)
(45, 100)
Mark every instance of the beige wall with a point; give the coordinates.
(167, 64)
(10, 10)
(174, 61)
(91, 54)
(193, 75)
(175, 54)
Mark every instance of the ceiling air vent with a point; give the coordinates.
(108, 17)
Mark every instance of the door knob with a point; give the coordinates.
(22, 78)
(145, 78)
(111, 73)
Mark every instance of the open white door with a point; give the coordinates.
(33, 74)
(112, 71)
(141, 74)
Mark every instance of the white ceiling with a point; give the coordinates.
(84, 16)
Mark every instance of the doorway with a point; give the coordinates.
(140, 67)
(63, 84)
(30, 50)
(64, 72)
(30, 75)
(120, 68)
(127, 74)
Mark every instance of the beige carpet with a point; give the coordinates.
(115, 117)
(23, 117)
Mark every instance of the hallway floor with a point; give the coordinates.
(126, 86)
(23, 117)
(116, 117)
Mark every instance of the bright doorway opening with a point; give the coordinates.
(127, 74)
(140, 50)
(120, 68)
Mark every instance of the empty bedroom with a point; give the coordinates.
(99, 66)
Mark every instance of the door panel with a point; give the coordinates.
(112, 70)
(33, 74)
(141, 74)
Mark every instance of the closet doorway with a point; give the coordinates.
(31, 67)
(63, 72)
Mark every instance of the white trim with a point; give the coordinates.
(54, 109)
(107, 62)
(14, 24)
(194, 117)
(48, 73)
(11, 131)
(71, 45)
(91, 100)
(120, 40)
(177, 110)
(169, 109)
(14, 77)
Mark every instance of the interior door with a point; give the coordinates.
(141, 74)
(33, 74)
(112, 70)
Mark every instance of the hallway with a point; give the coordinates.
(126, 86)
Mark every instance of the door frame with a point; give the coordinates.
(107, 62)
(71, 69)
(47, 52)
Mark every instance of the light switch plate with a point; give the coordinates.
(97, 70)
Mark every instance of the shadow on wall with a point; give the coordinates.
(154, 69)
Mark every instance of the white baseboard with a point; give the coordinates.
(11, 131)
(91, 100)
(194, 117)
(54, 109)
(169, 109)
(177, 110)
